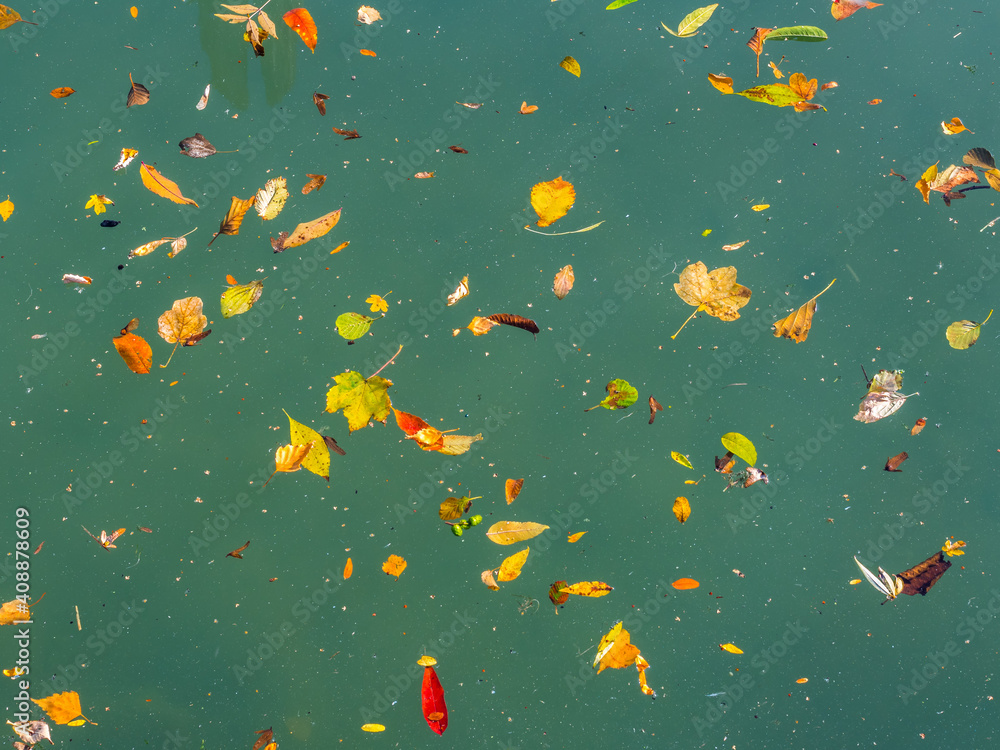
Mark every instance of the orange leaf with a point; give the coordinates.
(135, 350)
(573, 538)
(730, 648)
(615, 650)
(512, 488)
(841, 9)
(367, 52)
(915, 430)
(409, 423)
(14, 611)
(556, 596)
(62, 708)
(301, 21)
(552, 200)
(796, 326)
(952, 127)
(315, 183)
(722, 83)
(348, 569)
(238, 208)
(682, 509)
(683, 584)
(479, 325)
(394, 566)
(62, 92)
(563, 282)
(756, 43)
(157, 183)
(526, 109)
(873, 102)
(802, 680)
(587, 588)
(137, 94)
(289, 457)
(806, 88)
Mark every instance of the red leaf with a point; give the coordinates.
(432, 701)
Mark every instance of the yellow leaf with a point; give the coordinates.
(372, 728)
(730, 648)
(511, 532)
(796, 326)
(239, 298)
(923, 184)
(571, 65)
(681, 459)
(761, 206)
(573, 538)
(394, 566)
(587, 588)
(427, 661)
(964, 333)
(462, 290)
(317, 460)
(271, 198)
(14, 611)
(511, 567)
(9, 16)
(480, 325)
(951, 548)
(551, 200)
(97, 202)
(378, 304)
(234, 217)
(62, 708)
(6, 209)
(954, 127)
(76, 723)
(682, 509)
(288, 458)
(157, 183)
(740, 446)
(693, 21)
(706, 233)
(183, 322)
(716, 293)
(722, 83)
(311, 230)
(512, 488)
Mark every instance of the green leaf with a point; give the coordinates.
(236, 300)
(797, 34)
(318, 459)
(776, 94)
(740, 446)
(964, 333)
(621, 395)
(362, 400)
(681, 459)
(618, 4)
(693, 21)
(354, 325)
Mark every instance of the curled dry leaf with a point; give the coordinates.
(32, 732)
(979, 157)
(737, 246)
(348, 134)
(127, 155)
(270, 199)
(165, 188)
(311, 230)
(203, 102)
(489, 580)
(563, 282)
(481, 325)
(301, 22)
(197, 147)
(137, 94)
(512, 488)
(62, 92)
(470, 105)
(883, 398)
(234, 217)
(423, 175)
(552, 200)
(394, 566)
(526, 109)
(315, 183)
(368, 15)
(461, 291)
(796, 326)
(756, 43)
(841, 9)
(238, 552)
(458, 149)
(320, 101)
(918, 426)
(654, 406)
(135, 350)
(72, 278)
(892, 463)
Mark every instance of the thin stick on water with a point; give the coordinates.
(386, 364)
(990, 224)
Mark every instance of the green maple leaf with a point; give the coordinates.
(362, 400)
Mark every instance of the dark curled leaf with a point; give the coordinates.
(138, 94)
(193, 340)
(515, 320)
(332, 445)
(458, 149)
(348, 134)
(920, 578)
(724, 465)
(654, 406)
(278, 245)
(111, 223)
(892, 464)
(197, 147)
(320, 101)
(266, 735)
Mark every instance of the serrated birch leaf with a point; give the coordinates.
(352, 325)
(964, 333)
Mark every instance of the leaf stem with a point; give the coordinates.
(987, 318)
(386, 364)
(172, 353)
(696, 311)
(258, 10)
(818, 295)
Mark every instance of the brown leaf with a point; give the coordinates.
(918, 426)
(892, 464)
(310, 230)
(754, 475)
(320, 101)
(138, 94)
(980, 157)
(32, 732)
(197, 147)
(234, 217)
(458, 149)
(278, 244)
(238, 552)
(920, 578)
(725, 464)
(515, 320)
(266, 735)
(756, 43)
(348, 134)
(556, 595)
(654, 406)
(563, 282)
(512, 488)
(62, 92)
(315, 183)
(796, 326)
(135, 350)
(332, 445)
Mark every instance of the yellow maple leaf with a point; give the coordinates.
(97, 202)
(378, 304)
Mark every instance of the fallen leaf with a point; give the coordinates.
(6, 208)
(127, 155)
(432, 701)
(841, 9)
(271, 198)
(875, 102)
(197, 147)
(372, 728)
(892, 464)
(238, 552)
(681, 459)
(315, 183)
(320, 101)
(489, 580)
(183, 323)
(756, 43)
(563, 282)
(616, 651)
(453, 508)
(361, 400)
(32, 732)
(234, 217)
(570, 65)
(682, 509)
(591, 589)
(552, 200)
(423, 175)
(394, 566)
(725, 464)
(368, 15)
(526, 109)
(266, 735)
(9, 16)
(802, 680)
(954, 127)
(761, 207)
(348, 134)
(97, 202)
(317, 460)
(654, 406)
(737, 246)
(693, 21)
(511, 567)
(432, 439)
(288, 458)
(918, 426)
(979, 157)
(335, 250)
(722, 83)
(72, 278)
(461, 291)
(481, 325)
(512, 488)
(62, 92)
(458, 149)
(883, 398)
(951, 548)
(348, 569)
(616, 4)
(741, 446)
(574, 538)
(301, 22)
(621, 395)
(717, 293)
(312, 230)
(684, 584)
(367, 52)
(730, 648)
(796, 325)
(470, 105)
(511, 532)
(555, 594)
(203, 102)
(964, 333)
(753, 475)
(352, 325)
(15, 611)
(135, 350)
(165, 188)
(62, 708)
(137, 94)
